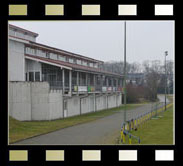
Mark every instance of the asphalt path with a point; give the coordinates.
(94, 132)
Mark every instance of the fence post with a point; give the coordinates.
(124, 135)
(139, 140)
(156, 109)
(130, 139)
(135, 124)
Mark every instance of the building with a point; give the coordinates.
(136, 78)
(70, 75)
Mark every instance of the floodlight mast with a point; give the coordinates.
(166, 54)
(124, 82)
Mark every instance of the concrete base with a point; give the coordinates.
(34, 101)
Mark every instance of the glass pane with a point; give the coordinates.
(37, 76)
(31, 76)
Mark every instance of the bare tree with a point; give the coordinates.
(152, 72)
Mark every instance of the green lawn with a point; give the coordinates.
(156, 131)
(22, 130)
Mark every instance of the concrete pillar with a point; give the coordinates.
(86, 79)
(94, 102)
(121, 82)
(77, 79)
(107, 82)
(94, 81)
(70, 82)
(117, 83)
(89, 79)
(41, 73)
(102, 80)
(112, 82)
(63, 80)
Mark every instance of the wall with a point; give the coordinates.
(85, 105)
(111, 101)
(35, 101)
(20, 101)
(55, 104)
(73, 106)
(32, 66)
(16, 56)
(40, 101)
(101, 102)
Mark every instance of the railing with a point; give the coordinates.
(89, 88)
(133, 124)
(55, 84)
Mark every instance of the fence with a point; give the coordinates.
(133, 124)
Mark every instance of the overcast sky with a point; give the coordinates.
(104, 40)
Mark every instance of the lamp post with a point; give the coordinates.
(124, 83)
(166, 53)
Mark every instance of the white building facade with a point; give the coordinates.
(73, 82)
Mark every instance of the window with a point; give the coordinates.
(26, 77)
(61, 58)
(37, 76)
(53, 56)
(84, 63)
(47, 55)
(78, 62)
(31, 76)
(96, 65)
(74, 60)
(91, 64)
(70, 60)
(67, 59)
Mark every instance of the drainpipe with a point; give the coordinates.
(63, 81)
(77, 82)
(80, 105)
(31, 99)
(94, 103)
(63, 107)
(107, 101)
(70, 82)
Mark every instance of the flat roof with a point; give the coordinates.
(24, 30)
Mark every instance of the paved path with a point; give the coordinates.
(94, 132)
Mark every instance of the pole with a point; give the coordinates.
(124, 84)
(166, 53)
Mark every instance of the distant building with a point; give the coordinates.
(136, 78)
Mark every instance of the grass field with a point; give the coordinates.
(156, 131)
(22, 130)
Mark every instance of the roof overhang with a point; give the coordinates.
(18, 40)
(63, 52)
(23, 30)
(49, 63)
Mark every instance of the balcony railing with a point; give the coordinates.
(88, 88)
